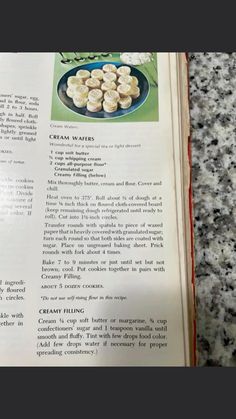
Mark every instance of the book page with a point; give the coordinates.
(92, 269)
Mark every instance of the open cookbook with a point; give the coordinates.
(96, 246)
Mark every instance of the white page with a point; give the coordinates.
(56, 325)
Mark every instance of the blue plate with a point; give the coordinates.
(136, 103)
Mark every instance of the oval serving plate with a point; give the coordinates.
(136, 103)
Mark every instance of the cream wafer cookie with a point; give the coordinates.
(92, 83)
(97, 74)
(94, 106)
(81, 91)
(135, 92)
(108, 85)
(124, 70)
(83, 75)
(95, 95)
(110, 107)
(124, 90)
(125, 102)
(111, 96)
(80, 102)
(109, 68)
(69, 92)
(134, 81)
(109, 77)
(74, 81)
(125, 79)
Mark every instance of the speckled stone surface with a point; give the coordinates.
(213, 120)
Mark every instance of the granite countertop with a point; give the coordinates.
(213, 120)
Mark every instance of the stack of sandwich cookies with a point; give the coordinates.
(80, 102)
(72, 83)
(70, 92)
(80, 97)
(95, 97)
(125, 102)
(111, 96)
(110, 103)
(83, 75)
(94, 106)
(107, 88)
(81, 91)
(124, 90)
(135, 92)
(134, 81)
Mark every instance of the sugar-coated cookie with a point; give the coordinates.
(70, 92)
(108, 85)
(109, 68)
(95, 95)
(124, 90)
(134, 81)
(110, 107)
(94, 106)
(83, 75)
(97, 74)
(80, 102)
(125, 102)
(111, 96)
(135, 92)
(74, 81)
(125, 79)
(92, 83)
(81, 91)
(109, 77)
(124, 70)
